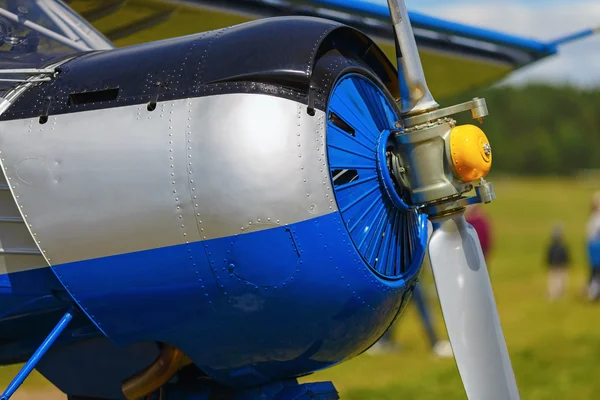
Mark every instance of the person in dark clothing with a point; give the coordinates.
(557, 259)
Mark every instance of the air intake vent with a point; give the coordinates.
(390, 237)
(94, 97)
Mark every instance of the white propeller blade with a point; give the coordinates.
(469, 310)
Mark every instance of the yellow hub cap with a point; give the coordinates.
(471, 152)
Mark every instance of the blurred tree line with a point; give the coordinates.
(540, 130)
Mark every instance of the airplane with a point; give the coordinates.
(212, 215)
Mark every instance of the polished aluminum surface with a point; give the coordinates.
(113, 181)
(4, 105)
(477, 107)
(255, 161)
(415, 95)
(18, 251)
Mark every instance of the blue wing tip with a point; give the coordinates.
(575, 36)
(380, 11)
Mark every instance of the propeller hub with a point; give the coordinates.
(439, 163)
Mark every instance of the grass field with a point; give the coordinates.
(555, 347)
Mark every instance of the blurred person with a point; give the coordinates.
(593, 248)
(482, 224)
(441, 348)
(558, 262)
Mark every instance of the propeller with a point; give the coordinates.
(469, 310)
(438, 188)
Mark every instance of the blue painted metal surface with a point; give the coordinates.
(33, 298)
(379, 10)
(390, 237)
(30, 291)
(281, 390)
(35, 358)
(307, 391)
(330, 307)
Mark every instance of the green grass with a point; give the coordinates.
(555, 347)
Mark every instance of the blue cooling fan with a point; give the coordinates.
(389, 235)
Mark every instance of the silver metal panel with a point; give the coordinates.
(8, 208)
(256, 159)
(114, 181)
(416, 96)
(14, 237)
(11, 263)
(98, 183)
(18, 251)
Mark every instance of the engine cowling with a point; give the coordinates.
(226, 193)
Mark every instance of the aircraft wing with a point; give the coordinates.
(455, 57)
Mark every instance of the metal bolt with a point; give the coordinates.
(487, 149)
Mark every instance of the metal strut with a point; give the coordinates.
(36, 357)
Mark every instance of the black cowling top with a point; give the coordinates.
(292, 57)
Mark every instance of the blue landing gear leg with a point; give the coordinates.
(39, 353)
(287, 390)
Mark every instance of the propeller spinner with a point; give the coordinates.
(437, 163)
